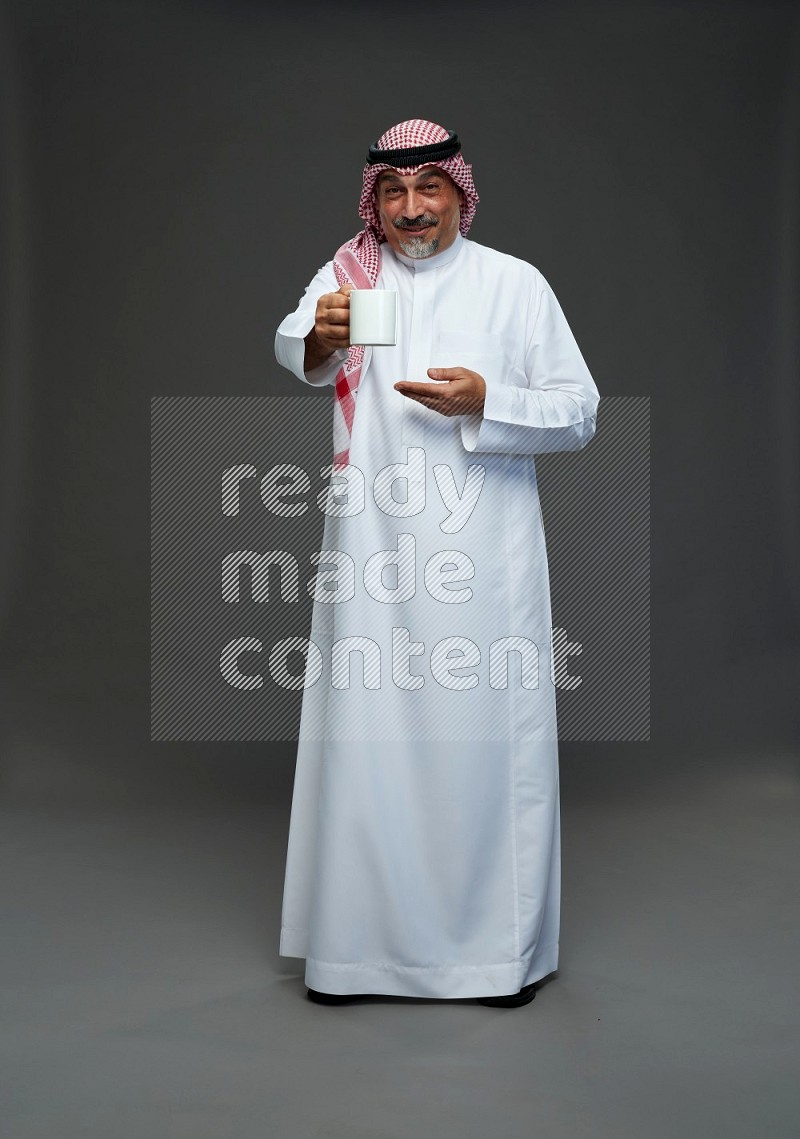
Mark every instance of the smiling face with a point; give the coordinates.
(420, 213)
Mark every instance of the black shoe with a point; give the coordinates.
(513, 1000)
(334, 998)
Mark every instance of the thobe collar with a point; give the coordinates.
(422, 264)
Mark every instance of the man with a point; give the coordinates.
(424, 855)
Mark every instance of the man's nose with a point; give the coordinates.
(413, 206)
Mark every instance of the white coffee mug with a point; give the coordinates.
(373, 316)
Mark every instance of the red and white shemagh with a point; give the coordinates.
(358, 261)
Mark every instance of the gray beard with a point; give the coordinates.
(416, 247)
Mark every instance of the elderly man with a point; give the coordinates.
(424, 855)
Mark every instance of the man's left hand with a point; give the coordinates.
(463, 394)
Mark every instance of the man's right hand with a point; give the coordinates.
(331, 327)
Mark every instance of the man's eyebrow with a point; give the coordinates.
(388, 176)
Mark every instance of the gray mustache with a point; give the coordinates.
(418, 223)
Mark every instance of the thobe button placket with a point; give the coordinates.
(412, 432)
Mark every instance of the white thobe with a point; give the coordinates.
(424, 842)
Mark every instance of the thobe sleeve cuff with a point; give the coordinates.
(290, 345)
(290, 349)
(516, 420)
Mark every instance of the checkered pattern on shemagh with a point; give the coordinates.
(358, 261)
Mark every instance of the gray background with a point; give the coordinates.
(173, 176)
